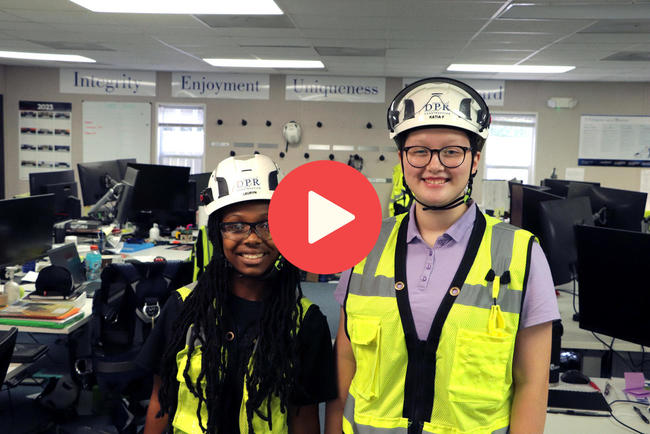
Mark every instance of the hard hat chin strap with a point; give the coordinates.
(464, 198)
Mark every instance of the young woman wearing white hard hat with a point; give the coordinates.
(446, 325)
(240, 350)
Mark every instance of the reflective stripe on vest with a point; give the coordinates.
(201, 253)
(466, 385)
(185, 419)
(398, 193)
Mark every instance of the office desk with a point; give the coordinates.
(142, 255)
(562, 423)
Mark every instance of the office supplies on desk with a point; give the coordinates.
(130, 248)
(643, 418)
(39, 310)
(85, 228)
(635, 384)
(45, 323)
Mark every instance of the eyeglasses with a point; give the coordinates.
(449, 156)
(237, 231)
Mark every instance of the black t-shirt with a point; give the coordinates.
(317, 376)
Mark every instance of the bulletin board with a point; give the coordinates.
(44, 137)
(113, 130)
(614, 141)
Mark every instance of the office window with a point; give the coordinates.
(181, 136)
(510, 148)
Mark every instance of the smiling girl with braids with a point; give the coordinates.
(240, 350)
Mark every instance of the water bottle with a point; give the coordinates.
(93, 263)
(154, 233)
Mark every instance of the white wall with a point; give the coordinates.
(343, 123)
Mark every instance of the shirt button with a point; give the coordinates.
(430, 252)
(424, 278)
(428, 266)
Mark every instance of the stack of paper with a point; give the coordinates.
(41, 313)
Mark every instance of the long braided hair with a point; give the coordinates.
(274, 360)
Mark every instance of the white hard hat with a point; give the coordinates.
(439, 102)
(240, 179)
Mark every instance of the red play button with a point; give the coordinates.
(324, 217)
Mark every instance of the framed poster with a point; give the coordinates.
(44, 137)
(614, 141)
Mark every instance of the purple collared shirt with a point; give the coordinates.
(429, 272)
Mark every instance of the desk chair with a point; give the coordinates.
(7, 343)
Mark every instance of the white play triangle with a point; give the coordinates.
(324, 217)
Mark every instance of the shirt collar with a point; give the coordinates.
(461, 227)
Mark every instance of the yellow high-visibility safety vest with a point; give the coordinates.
(185, 418)
(460, 379)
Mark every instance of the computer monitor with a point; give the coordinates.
(201, 181)
(614, 296)
(95, 179)
(160, 195)
(126, 196)
(524, 205)
(38, 180)
(25, 228)
(123, 163)
(557, 221)
(66, 204)
(67, 256)
(560, 187)
(617, 209)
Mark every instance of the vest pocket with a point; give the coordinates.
(365, 336)
(478, 373)
(185, 417)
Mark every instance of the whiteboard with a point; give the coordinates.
(113, 130)
(614, 141)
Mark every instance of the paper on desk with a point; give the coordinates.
(30, 277)
(635, 384)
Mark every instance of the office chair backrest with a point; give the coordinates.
(7, 343)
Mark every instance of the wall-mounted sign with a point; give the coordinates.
(107, 82)
(337, 89)
(216, 85)
(44, 137)
(492, 91)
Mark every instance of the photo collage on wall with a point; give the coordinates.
(44, 137)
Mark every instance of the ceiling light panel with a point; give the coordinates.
(265, 63)
(45, 56)
(520, 69)
(239, 7)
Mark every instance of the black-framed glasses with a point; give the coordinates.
(449, 156)
(240, 230)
